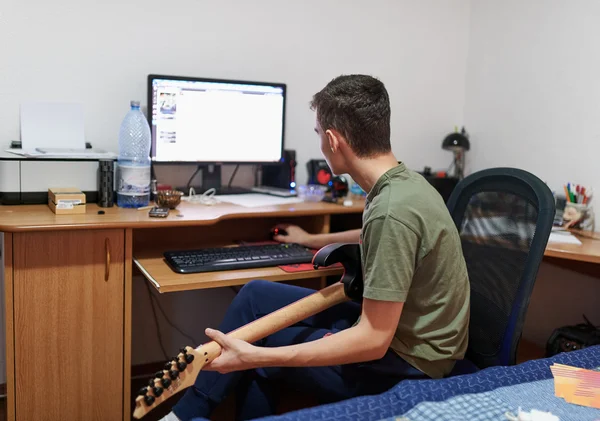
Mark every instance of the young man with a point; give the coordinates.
(413, 321)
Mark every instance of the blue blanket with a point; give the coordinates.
(485, 395)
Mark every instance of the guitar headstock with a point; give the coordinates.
(178, 374)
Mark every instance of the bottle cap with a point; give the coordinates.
(135, 103)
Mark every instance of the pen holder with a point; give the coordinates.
(578, 216)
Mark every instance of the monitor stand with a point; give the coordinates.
(211, 179)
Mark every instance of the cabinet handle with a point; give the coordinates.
(107, 268)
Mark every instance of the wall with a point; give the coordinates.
(99, 54)
(533, 101)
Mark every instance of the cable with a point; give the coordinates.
(233, 175)
(206, 198)
(168, 320)
(192, 177)
(160, 341)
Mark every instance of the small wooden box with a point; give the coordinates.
(66, 200)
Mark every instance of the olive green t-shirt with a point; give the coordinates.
(411, 253)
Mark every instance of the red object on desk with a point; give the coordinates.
(304, 267)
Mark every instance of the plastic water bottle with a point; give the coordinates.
(133, 188)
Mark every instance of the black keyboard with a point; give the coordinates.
(243, 257)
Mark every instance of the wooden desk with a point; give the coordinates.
(68, 293)
(588, 251)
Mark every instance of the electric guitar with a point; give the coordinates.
(181, 371)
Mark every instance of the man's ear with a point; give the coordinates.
(334, 140)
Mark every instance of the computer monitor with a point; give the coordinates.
(215, 121)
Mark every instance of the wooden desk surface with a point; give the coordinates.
(155, 269)
(41, 218)
(588, 251)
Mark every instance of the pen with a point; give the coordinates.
(567, 195)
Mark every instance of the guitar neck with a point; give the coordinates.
(252, 332)
(282, 318)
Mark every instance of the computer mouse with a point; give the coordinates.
(278, 231)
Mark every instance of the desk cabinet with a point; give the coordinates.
(68, 292)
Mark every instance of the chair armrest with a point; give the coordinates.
(348, 254)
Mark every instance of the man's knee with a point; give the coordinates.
(252, 288)
(250, 292)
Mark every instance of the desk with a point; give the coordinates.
(67, 286)
(588, 251)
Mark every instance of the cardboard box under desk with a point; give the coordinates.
(66, 200)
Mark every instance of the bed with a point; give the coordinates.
(485, 395)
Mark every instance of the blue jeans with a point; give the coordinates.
(255, 391)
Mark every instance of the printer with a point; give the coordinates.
(25, 180)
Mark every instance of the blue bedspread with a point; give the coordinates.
(485, 395)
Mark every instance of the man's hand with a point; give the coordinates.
(315, 241)
(295, 235)
(236, 355)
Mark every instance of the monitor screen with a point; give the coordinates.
(215, 121)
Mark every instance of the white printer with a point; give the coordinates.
(25, 180)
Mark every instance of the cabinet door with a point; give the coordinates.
(68, 314)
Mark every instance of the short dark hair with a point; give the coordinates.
(357, 106)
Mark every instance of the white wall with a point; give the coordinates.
(99, 53)
(533, 91)
(533, 102)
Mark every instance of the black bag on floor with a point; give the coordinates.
(572, 338)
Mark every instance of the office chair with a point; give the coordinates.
(504, 217)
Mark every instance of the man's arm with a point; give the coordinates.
(368, 340)
(316, 241)
(391, 250)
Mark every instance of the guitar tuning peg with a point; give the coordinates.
(166, 382)
(168, 365)
(189, 358)
(159, 374)
(149, 399)
(183, 350)
(151, 382)
(143, 391)
(181, 365)
(173, 374)
(157, 391)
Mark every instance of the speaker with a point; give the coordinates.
(282, 174)
(106, 183)
(319, 172)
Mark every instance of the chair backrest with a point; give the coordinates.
(504, 217)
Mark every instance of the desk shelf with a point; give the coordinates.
(154, 268)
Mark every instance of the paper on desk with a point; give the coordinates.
(255, 200)
(563, 237)
(52, 125)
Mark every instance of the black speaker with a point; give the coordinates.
(106, 183)
(319, 172)
(282, 174)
